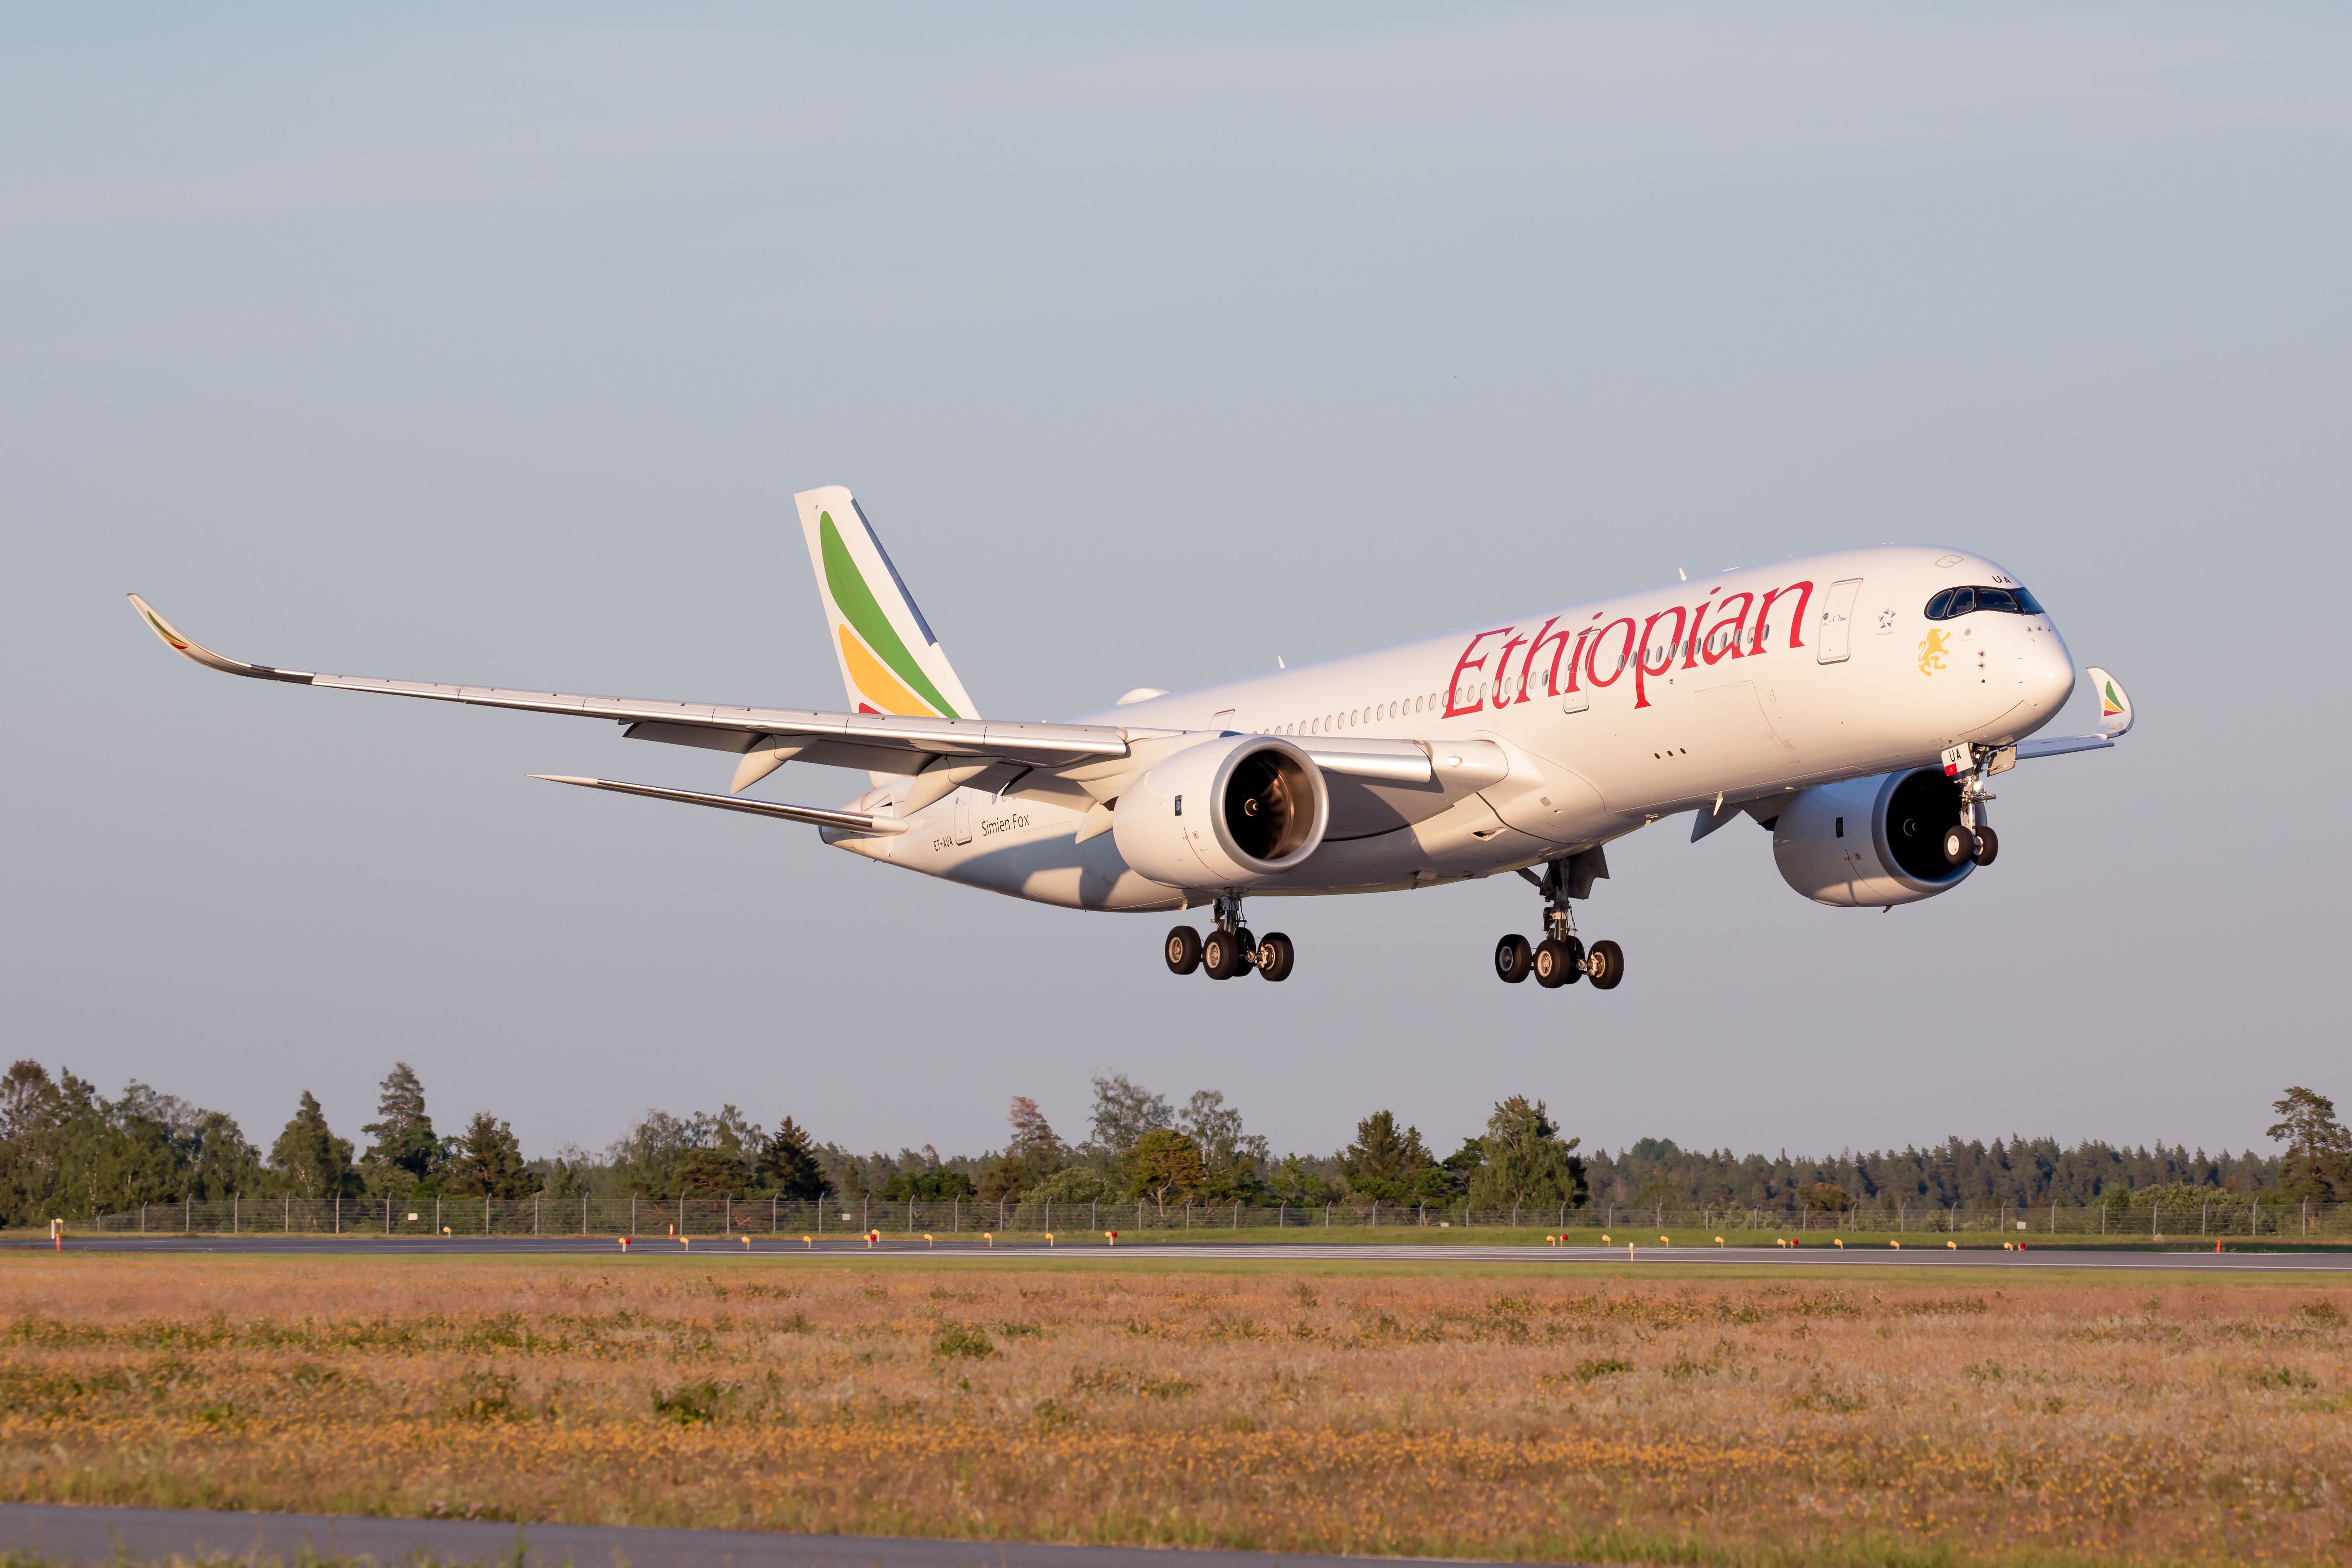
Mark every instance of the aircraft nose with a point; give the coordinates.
(2049, 673)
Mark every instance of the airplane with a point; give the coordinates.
(1856, 705)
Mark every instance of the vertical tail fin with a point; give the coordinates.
(890, 662)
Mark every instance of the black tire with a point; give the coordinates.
(1988, 846)
(1182, 950)
(1555, 965)
(1513, 959)
(1221, 955)
(1960, 844)
(1605, 964)
(1276, 955)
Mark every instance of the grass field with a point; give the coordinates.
(1504, 1410)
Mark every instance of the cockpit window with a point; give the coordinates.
(1953, 603)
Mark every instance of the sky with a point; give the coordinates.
(488, 345)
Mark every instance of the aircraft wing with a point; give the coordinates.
(881, 741)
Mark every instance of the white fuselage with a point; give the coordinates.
(1732, 687)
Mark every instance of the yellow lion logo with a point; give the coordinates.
(1932, 651)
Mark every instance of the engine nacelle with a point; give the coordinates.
(1869, 842)
(1224, 814)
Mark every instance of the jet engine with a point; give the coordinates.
(1224, 814)
(1869, 842)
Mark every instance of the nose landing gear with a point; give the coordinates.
(1562, 958)
(1230, 949)
(1972, 837)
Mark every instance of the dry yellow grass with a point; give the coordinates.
(1517, 1412)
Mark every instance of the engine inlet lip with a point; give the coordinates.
(1887, 858)
(1315, 789)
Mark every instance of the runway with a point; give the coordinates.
(96, 1537)
(785, 1251)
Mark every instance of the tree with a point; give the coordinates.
(487, 1163)
(406, 1154)
(1216, 1128)
(1125, 1112)
(709, 1174)
(933, 1187)
(787, 1164)
(2318, 1160)
(1034, 1140)
(1297, 1181)
(1527, 1162)
(310, 1158)
(1163, 1161)
(1827, 1198)
(1381, 1153)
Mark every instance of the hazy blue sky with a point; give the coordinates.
(489, 346)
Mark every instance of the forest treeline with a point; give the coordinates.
(68, 1150)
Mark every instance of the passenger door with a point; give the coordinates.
(1835, 632)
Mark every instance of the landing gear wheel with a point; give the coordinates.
(1513, 959)
(1220, 954)
(1183, 950)
(1274, 956)
(1556, 962)
(1605, 966)
(1988, 846)
(1960, 844)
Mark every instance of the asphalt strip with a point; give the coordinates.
(72, 1533)
(1925, 1255)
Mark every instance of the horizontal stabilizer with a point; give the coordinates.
(815, 817)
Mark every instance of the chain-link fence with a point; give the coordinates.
(2224, 1215)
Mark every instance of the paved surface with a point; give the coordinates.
(1925, 1255)
(98, 1536)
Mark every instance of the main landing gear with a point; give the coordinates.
(1230, 949)
(1972, 837)
(1562, 958)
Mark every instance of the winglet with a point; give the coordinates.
(188, 649)
(2114, 704)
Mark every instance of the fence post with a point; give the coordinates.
(955, 1213)
(1139, 1214)
(1326, 1216)
(234, 1200)
(2102, 1213)
(188, 1216)
(1376, 1213)
(772, 1214)
(632, 1214)
(339, 1216)
(1094, 1215)
(1237, 1214)
(681, 1214)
